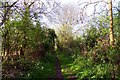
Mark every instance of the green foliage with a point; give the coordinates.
(87, 69)
(42, 69)
(39, 69)
(87, 57)
(90, 37)
(24, 40)
(101, 60)
(65, 35)
(117, 29)
(92, 34)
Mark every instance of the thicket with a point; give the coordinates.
(95, 58)
(24, 46)
(29, 51)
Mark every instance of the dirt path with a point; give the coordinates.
(58, 69)
(59, 75)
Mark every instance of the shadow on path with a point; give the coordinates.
(58, 69)
(59, 75)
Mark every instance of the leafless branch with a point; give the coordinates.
(6, 13)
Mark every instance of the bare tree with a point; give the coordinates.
(111, 33)
(66, 17)
(7, 11)
(109, 10)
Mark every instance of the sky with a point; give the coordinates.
(89, 10)
(68, 1)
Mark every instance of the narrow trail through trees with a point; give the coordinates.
(58, 69)
(59, 75)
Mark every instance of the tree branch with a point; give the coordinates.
(6, 13)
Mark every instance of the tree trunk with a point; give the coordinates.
(111, 33)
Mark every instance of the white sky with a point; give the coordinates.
(68, 1)
(89, 9)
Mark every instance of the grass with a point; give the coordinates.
(43, 69)
(66, 61)
(71, 65)
(84, 68)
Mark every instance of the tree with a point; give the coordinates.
(65, 18)
(26, 27)
(111, 32)
(95, 3)
(116, 24)
(8, 8)
(65, 35)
